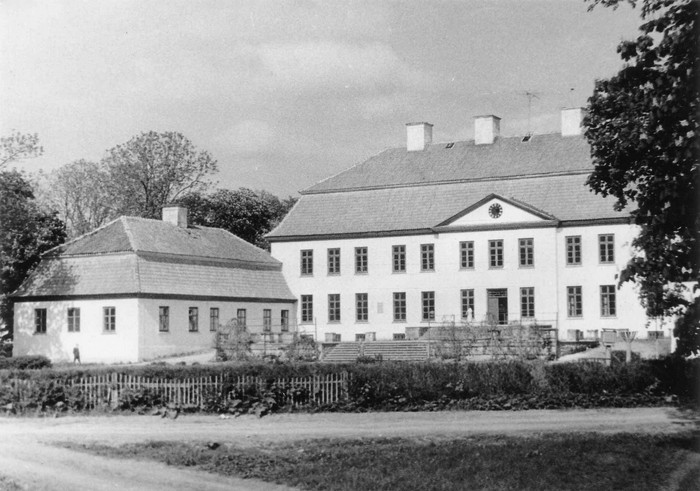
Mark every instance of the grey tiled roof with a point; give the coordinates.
(418, 207)
(506, 157)
(145, 235)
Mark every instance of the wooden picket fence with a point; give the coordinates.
(105, 390)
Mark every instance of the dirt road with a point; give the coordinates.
(28, 458)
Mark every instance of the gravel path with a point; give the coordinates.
(28, 458)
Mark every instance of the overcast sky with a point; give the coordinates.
(284, 94)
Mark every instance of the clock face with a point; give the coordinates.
(495, 210)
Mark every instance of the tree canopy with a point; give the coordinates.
(642, 125)
(19, 146)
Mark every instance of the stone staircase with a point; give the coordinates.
(388, 350)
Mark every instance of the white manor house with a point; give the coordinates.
(500, 230)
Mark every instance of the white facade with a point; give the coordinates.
(550, 276)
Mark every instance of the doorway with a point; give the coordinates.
(497, 308)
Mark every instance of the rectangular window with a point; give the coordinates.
(607, 301)
(527, 302)
(109, 316)
(496, 253)
(468, 304)
(574, 301)
(573, 250)
(527, 252)
(267, 320)
(333, 261)
(428, 302)
(361, 307)
(334, 307)
(284, 320)
(73, 320)
(466, 255)
(307, 262)
(427, 257)
(213, 318)
(194, 319)
(307, 308)
(242, 318)
(399, 306)
(398, 253)
(164, 319)
(607, 248)
(360, 259)
(40, 321)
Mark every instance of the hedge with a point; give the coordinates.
(392, 386)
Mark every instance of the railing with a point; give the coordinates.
(105, 390)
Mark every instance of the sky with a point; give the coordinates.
(286, 93)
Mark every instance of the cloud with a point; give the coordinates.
(249, 137)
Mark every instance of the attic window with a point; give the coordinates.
(527, 138)
(450, 145)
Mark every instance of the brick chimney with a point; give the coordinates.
(175, 215)
(418, 136)
(486, 129)
(571, 119)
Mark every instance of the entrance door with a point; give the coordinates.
(497, 308)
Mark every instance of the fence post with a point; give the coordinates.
(114, 390)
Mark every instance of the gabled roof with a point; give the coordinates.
(132, 234)
(465, 161)
(518, 204)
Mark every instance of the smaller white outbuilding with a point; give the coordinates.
(138, 289)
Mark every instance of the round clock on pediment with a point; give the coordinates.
(495, 210)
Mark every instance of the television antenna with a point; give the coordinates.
(530, 95)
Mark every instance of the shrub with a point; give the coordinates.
(26, 362)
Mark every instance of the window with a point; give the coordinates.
(213, 318)
(527, 302)
(267, 320)
(573, 250)
(400, 306)
(40, 321)
(468, 304)
(307, 308)
(428, 301)
(361, 307)
(574, 301)
(607, 248)
(527, 252)
(194, 319)
(307, 262)
(109, 315)
(466, 255)
(73, 320)
(284, 320)
(333, 261)
(360, 259)
(427, 257)
(607, 301)
(496, 253)
(241, 318)
(334, 307)
(399, 258)
(164, 319)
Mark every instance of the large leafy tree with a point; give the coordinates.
(243, 212)
(18, 146)
(642, 125)
(153, 169)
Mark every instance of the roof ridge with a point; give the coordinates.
(127, 231)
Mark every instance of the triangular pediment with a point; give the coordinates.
(494, 210)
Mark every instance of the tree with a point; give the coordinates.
(19, 146)
(243, 212)
(642, 125)
(78, 192)
(153, 169)
(26, 232)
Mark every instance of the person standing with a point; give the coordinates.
(76, 355)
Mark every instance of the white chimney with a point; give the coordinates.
(418, 136)
(175, 215)
(571, 119)
(486, 129)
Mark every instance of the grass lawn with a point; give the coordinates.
(557, 462)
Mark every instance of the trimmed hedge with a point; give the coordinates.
(393, 386)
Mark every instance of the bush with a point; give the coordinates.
(27, 362)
